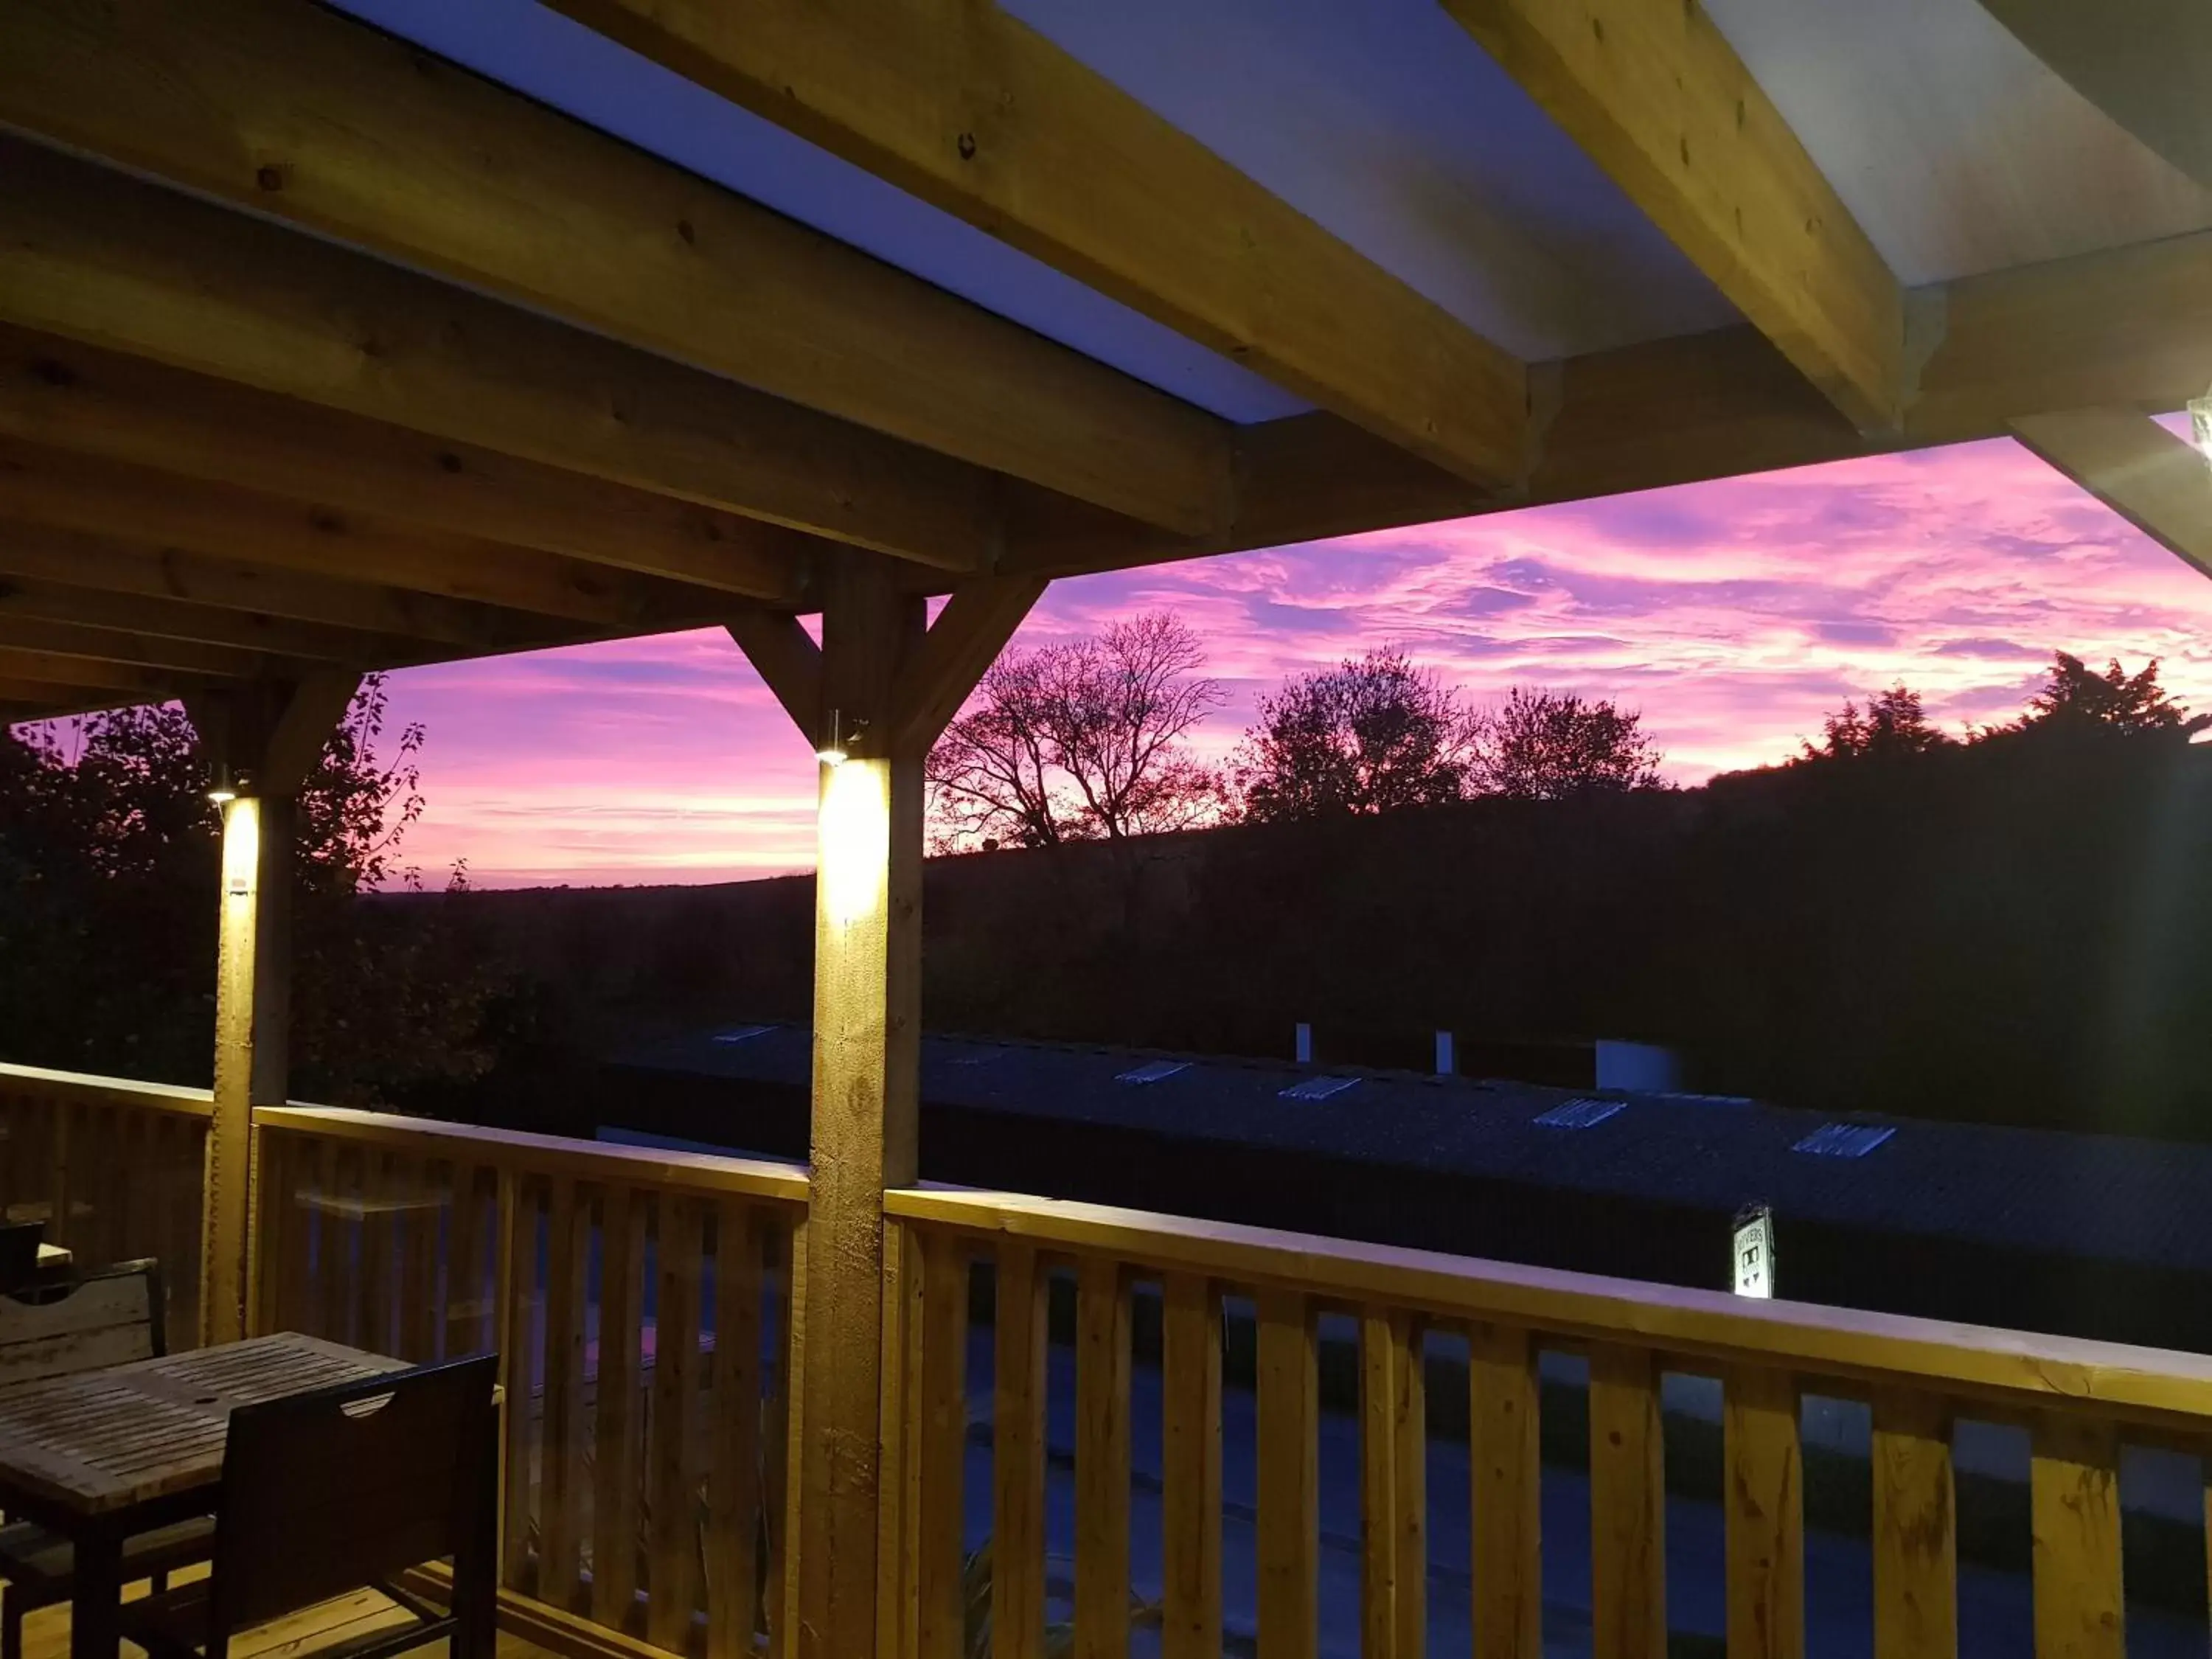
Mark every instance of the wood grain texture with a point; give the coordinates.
(516, 1288)
(973, 111)
(1505, 1481)
(1393, 1486)
(1190, 1468)
(673, 1466)
(733, 1489)
(2157, 481)
(1916, 1547)
(618, 1419)
(562, 1477)
(1764, 1504)
(1658, 98)
(1628, 1506)
(1102, 1461)
(1288, 1529)
(941, 1404)
(2074, 1498)
(1018, 1459)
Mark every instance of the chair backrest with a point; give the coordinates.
(19, 1252)
(81, 1322)
(327, 1491)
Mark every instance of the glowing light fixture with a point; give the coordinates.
(221, 788)
(837, 749)
(2200, 424)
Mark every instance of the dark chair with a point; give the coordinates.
(343, 1489)
(56, 1327)
(19, 1252)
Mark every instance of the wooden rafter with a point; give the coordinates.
(114, 262)
(76, 492)
(33, 601)
(28, 664)
(784, 654)
(2155, 480)
(70, 396)
(148, 569)
(301, 114)
(100, 643)
(968, 108)
(1655, 94)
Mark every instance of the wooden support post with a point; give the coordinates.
(268, 737)
(867, 1057)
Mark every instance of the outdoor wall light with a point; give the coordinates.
(221, 788)
(2200, 424)
(837, 749)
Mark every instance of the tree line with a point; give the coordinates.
(1089, 740)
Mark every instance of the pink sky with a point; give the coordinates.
(1732, 614)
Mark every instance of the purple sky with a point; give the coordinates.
(1733, 614)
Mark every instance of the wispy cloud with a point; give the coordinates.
(1733, 614)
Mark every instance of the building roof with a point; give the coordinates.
(2107, 1197)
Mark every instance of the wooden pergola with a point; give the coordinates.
(321, 352)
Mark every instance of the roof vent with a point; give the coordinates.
(1844, 1139)
(741, 1033)
(1318, 1088)
(1158, 1070)
(1582, 1114)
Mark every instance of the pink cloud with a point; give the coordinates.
(1733, 614)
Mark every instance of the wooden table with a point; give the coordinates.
(105, 1454)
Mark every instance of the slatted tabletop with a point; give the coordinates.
(104, 1440)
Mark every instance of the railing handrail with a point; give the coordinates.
(2163, 1388)
(88, 1088)
(720, 1174)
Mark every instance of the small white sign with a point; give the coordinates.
(1754, 1251)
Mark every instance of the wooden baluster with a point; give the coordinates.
(1504, 1471)
(1916, 1577)
(1393, 1486)
(1190, 1458)
(672, 1586)
(425, 1188)
(733, 1463)
(292, 1156)
(517, 1291)
(344, 1243)
(787, 1283)
(1628, 1506)
(940, 1401)
(1289, 1529)
(184, 1282)
(470, 1249)
(898, 1472)
(270, 1248)
(1763, 1485)
(373, 1289)
(61, 1119)
(617, 1487)
(1102, 1461)
(560, 1455)
(2075, 1503)
(1018, 1458)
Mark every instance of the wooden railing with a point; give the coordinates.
(640, 1301)
(2078, 1401)
(114, 1169)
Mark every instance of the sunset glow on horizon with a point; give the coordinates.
(1734, 614)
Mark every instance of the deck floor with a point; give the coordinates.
(46, 1633)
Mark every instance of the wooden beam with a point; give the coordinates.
(784, 654)
(29, 662)
(70, 396)
(114, 262)
(303, 115)
(968, 108)
(2158, 483)
(2145, 63)
(102, 644)
(959, 649)
(99, 497)
(1654, 92)
(148, 569)
(51, 605)
(57, 702)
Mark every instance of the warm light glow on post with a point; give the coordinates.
(852, 862)
(2200, 424)
(242, 845)
(220, 790)
(836, 748)
(1754, 1251)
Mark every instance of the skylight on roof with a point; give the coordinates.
(1582, 1114)
(1318, 1088)
(1844, 1140)
(741, 1033)
(1153, 1071)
